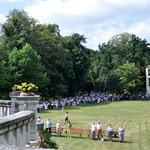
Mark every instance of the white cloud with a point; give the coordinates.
(11, 1)
(2, 18)
(141, 29)
(98, 20)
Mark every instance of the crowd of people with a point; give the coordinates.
(48, 125)
(91, 98)
(96, 128)
(68, 127)
(88, 98)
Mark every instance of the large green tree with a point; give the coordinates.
(119, 49)
(130, 79)
(17, 29)
(4, 80)
(81, 62)
(20, 29)
(25, 66)
(47, 41)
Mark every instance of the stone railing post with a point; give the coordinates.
(30, 103)
(14, 106)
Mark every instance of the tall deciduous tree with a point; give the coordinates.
(56, 59)
(4, 80)
(25, 66)
(130, 79)
(17, 29)
(119, 49)
(80, 58)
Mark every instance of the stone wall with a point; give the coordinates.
(15, 129)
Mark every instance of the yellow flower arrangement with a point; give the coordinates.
(16, 87)
(25, 87)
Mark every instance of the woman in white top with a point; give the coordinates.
(93, 129)
(121, 134)
(58, 128)
(39, 122)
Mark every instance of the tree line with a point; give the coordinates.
(63, 65)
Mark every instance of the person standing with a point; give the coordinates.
(110, 132)
(121, 134)
(69, 125)
(48, 125)
(66, 117)
(99, 128)
(93, 130)
(58, 128)
(39, 122)
(63, 105)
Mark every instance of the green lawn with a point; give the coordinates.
(133, 115)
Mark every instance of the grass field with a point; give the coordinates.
(133, 115)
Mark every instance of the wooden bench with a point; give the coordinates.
(77, 131)
(53, 129)
(103, 133)
(115, 134)
(88, 133)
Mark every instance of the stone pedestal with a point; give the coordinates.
(30, 103)
(148, 81)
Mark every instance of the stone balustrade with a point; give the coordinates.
(5, 107)
(20, 127)
(15, 129)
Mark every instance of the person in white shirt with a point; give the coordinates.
(58, 128)
(66, 117)
(48, 125)
(93, 130)
(38, 122)
(99, 128)
(39, 119)
(121, 134)
(109, 132)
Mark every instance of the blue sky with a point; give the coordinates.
(97, 20)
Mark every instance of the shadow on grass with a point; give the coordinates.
(86, 138)
(72, 137)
